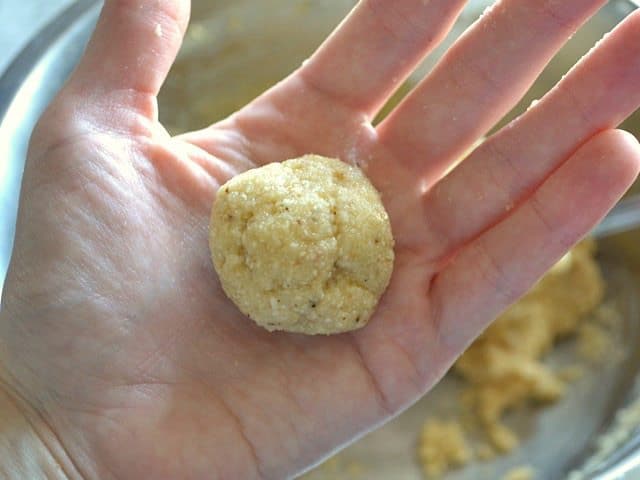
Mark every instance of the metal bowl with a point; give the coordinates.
(233, 51)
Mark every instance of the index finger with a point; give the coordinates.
(376, 47)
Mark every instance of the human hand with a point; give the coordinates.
(116, 339)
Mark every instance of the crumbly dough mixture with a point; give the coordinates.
(302, 246)
(442, 446)
(504, 367)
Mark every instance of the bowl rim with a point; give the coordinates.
(29, 56)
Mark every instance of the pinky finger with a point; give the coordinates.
(498, 267)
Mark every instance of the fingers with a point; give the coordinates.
(600, 92)
(131, 51)
(479, 80)
(376, 48)
(502, 264)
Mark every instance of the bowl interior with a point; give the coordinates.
(233, 52)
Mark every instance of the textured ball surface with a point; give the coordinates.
(302, 246)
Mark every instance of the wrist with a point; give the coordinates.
(28, 447)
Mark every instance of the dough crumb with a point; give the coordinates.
(520, 473)
(302, 246)
(442, 446)
(571, 373)
(594, 342)
(485, 452)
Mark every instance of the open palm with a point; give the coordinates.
(114, 327)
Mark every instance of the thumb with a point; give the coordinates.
(129, 56)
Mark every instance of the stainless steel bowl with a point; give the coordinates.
(233, 51)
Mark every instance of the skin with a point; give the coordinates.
(122, 358)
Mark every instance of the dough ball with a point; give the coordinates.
(302, 246)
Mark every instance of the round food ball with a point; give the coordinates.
(302, 246)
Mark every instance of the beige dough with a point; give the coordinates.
(302, 246)
(442, 446)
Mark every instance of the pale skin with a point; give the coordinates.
(122, 358)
